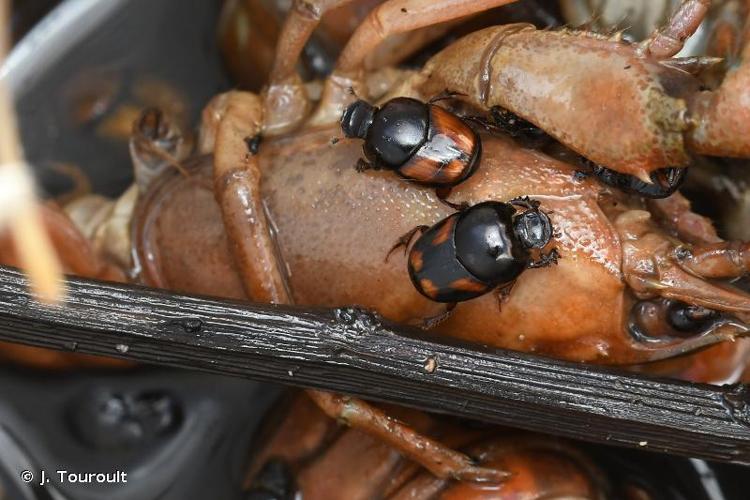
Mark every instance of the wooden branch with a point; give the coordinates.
(350, 351)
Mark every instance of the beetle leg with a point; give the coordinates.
(503, 294)
(518, 128)
(525, 202)
(443, 193)
(431, 322)
(404, 240)
(435, 457)
(390, 17)
(484, 122)
(364, 165)
(669, 39)
(545, 259)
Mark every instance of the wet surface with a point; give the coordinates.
(104, 420)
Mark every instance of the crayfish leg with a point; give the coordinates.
(723, 260)
(440, 460)
(432, 321)
(237, 178)
(285, 100)
(652, 268)
(390, 17)
(669, 39)
(676, 215)
(722, 116)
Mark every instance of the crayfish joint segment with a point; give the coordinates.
(669, 40)
(435, 457)
(237, 179)
(724, 260)
(391, 17)
(652, 267)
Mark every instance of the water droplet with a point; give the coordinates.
(642, 443)
(122, 348)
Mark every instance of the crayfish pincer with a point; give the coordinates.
(632, 108)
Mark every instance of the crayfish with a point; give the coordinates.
(273, 207)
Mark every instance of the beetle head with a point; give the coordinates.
(533, 228)
(357, 118)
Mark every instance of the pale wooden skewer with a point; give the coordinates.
(18, 206)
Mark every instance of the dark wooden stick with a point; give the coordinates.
(351, 351)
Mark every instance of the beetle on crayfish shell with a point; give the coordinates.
(481, 248)
(420, 141)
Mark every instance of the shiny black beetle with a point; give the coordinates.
(481, 248)
(420, 141)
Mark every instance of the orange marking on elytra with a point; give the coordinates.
(468, 285)
(416, 260)
(453, 127)
(428, 287)
(445, 232)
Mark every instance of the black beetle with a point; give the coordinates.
(474, 251)
(420, 141)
